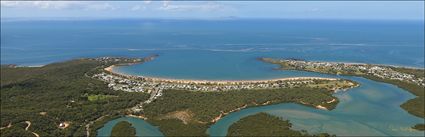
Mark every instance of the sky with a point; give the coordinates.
(385, 10)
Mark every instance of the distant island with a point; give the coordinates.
(410, 79)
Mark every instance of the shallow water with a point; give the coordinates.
(379, 42)
(369, 110)
(373, 109)
(142, 127)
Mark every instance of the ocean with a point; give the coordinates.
(382, 42)
(228, 50)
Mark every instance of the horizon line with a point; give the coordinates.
(189, 18)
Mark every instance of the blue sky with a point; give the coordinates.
(394, 10)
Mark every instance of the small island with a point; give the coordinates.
(123, 129)
(263, 124)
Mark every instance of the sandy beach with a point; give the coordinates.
(189, 81)
(110, 68)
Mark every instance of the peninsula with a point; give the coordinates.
(186, 99)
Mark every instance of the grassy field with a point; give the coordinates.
(99, 97)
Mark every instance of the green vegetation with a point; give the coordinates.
(263, 124)
(123, 129)
(55, 93)
(99, 123)
(99, 97)
(198, 109)
(65, 92)
(175, 127)
(17, 130)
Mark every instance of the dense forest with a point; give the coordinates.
(263, 124)
(123, 129)
(59, 92)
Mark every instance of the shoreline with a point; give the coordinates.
(110, 69)
(355, 63)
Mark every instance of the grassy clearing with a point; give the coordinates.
(99, 97)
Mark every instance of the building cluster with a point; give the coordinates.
(384, 72)
(149, 85)
(155, 86)
(116, 59)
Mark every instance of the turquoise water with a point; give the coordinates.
(369, 110)
(142, 127)
(207, 65)
(380, 42)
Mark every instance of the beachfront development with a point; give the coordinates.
(380, 71)
(145, 84)
(155, 86)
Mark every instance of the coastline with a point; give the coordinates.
(110, 69)
(352, 63)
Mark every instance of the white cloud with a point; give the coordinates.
(165, 3)
(58, 5)
(209, 6)
(8, 4)
(147, 1)
(137, 8)
(101, 6)
(315, 10)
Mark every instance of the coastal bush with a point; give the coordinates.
(174, 127)
(263, 124)
(55, 93)
(207, 106)
(123, 129)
